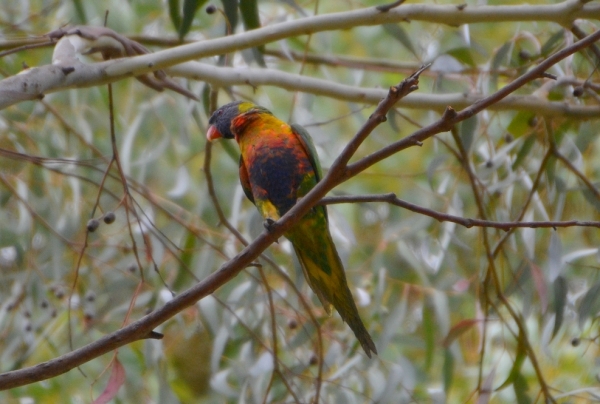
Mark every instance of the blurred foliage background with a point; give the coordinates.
(453, 320)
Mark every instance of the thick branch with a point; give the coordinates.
(47, 79)
(562, 13)
(228, 76)
(42, 80)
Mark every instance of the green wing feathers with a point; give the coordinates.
(324, 272)
(309, 147)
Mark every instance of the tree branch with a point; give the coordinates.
(229, 76)
(392, 199)
(35, 82)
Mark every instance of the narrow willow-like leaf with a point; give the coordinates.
(398, 33)
(459, 329)
(174, 14)
(231, 12)
(519, 359)
(80, 11)
(590, 304)
(498, 60)
(463, 55)
(429, 333)
(448, 370)
(524, 151)
(251, 20)
(560, 300)
(520, 386)
(190, 7)
(520, 124)
(467, 131)
(553, 43)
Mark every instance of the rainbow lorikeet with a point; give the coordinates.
(279, 165)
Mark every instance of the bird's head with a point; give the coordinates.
(220, 121)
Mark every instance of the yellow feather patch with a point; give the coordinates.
(267, 209)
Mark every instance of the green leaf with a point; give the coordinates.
(520, 124)
(174, 14)
(206, 99)
(524, 151)
(586, 135)
(459, 329)
(232, 150)
(231, 12)
(591, 198)
(258, 56)
(5, 197)
(80, 11)
(251, 20)
(560, 301)
(467, 131)
(463, 55)
(553, 43)
(551, 170)
(519, 359)
(433, 166)
(429, 333)
(398, 33)
(590, 304)
(497, 61)
(37, 177)
(187, 254)
(190, 7)
(392, 120)
(500, 57)
(520, 386)
(557, 93)
(250, 16)
(521, 278)
(448, 370)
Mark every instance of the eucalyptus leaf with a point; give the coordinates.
(190, 7)
(231, 13)
(590, 304)
(448, 370)
(521, 387)
(175, 14)
(467, 131)
(463, 55)
(398, 33)
(560, 301)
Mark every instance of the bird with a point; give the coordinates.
(278, 166)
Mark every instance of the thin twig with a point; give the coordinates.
(392, 199)
(387, 7)
(580, 34)
(530, 196)
(593, 189)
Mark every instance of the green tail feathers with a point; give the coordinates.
(325, 274)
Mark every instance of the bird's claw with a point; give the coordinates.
(269, 224)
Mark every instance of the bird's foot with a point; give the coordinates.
(269, 224)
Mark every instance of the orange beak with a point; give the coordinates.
(213, 133)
